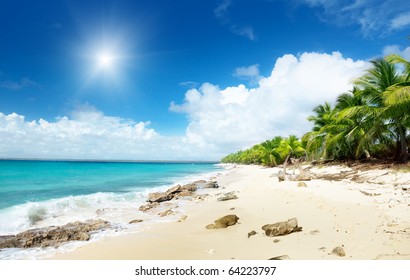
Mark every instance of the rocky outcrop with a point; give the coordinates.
(53, 236)
(179, 191)
(224, 222)
(282, 228)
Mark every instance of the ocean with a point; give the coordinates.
(36, 194)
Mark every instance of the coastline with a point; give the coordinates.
(368, 219)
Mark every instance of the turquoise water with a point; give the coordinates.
(39, 193)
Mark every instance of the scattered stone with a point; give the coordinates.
(276, 240)
(136, 221)
(232, 208)
(224, 222)
(183, 218)
(227, 196)
(53, 235)
(148, 206)
(369, 194)
(282, 228)
(338, 251)
(210, 251)
(166, 213)
(302, 185)
(314, 232)
(322, 249)
(252, 233)
(280, 258)
(281, 176)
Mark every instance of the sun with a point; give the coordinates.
(105, 60)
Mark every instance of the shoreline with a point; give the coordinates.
(368, 220)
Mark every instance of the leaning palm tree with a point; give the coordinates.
(379, 119)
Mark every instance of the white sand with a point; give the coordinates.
(372, 224)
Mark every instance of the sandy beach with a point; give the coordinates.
(366, 212)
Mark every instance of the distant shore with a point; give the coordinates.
(365, 213)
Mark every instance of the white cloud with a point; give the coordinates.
(87, 134)
(247, 72)
(396, 49)
(400, 21)
(225, 120)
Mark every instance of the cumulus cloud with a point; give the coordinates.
(247, 72)
(225, 120)
(88, 134)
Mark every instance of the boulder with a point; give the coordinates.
(302, 185)
(282, 228)
(160, 197)
(227, 196)
(53, 235)
(224, 222)
(252, 233)
(148, 206)
(338, 251)
(166, 213)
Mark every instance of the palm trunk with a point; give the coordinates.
(403, 145)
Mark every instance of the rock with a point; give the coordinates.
(281, 176)
(282, 228)
(302, 185)
(280, 258)
(314, 232)
(183, 218)
(173, 190)
(227, 196)
(160, 197)
(211, 185)
(224, 222)
(252, 233)
(189, 187)
(148, 206)
(338, 251)
(136, 221)
(166, 213)
(53, 235)
(276, 240)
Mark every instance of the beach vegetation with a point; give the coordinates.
(372, 120)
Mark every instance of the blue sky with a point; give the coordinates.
(198, 78)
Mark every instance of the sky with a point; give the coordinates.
(179, 79)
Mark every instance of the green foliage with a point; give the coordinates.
(269, 153)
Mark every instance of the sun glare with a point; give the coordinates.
(105, 60)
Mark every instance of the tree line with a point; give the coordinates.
(371, 120)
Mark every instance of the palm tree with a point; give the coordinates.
(379, 119)
(315, 139)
